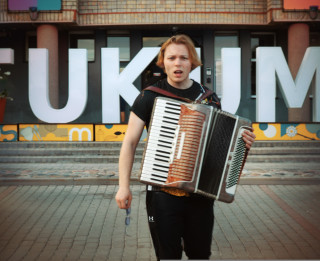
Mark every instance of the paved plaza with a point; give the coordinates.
(73, 215)
(83, 223)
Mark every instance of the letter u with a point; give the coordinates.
(39, 86)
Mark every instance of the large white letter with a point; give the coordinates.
(115, 83)
(39, 86)
(271, 61)
(6, 55)
(231, 76)
(196, 73)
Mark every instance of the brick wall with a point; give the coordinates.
(67, 15)
(138, 12)
(172, 12)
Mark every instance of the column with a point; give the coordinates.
(47, 37)
(298, 42)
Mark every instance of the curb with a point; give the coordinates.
(135, 181)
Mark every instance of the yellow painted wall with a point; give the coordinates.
(56, 132)
(8, 132)
(116, 132)
(113, 132)
(287, 131)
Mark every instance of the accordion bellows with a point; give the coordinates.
(194, 147)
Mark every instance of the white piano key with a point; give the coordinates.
(158, 122)
(164, 129)
(165, 112)
(169, 112)
(153, 180)
(168, 103)
(156, 146)
(163, 137)
(159, 155)
(154, 166)
(149, 168)
(155, 173)
(169, 106)
(159, 149)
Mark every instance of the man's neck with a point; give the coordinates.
(181, 85)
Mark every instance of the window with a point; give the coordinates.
(257, 40)
(154, 41)
(123, 43)
(89, 45)
(221, 41)
(30, 42)
(84, 41)
(152, 73)
(314, 39)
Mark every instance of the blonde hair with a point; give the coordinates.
(180, 39)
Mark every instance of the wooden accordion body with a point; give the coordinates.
(194, 147)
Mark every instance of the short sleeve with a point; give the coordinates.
(143, 106)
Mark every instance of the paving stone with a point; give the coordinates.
(83, 222)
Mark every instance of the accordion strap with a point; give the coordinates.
(170, 94)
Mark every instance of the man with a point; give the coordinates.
(177, 220)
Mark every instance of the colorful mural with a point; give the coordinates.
(116, 132)
(56, 132)
(113, 132)
(287, 131)
(8, 133)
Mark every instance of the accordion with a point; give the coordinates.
(194, 147)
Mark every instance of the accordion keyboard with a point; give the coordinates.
(161, 142)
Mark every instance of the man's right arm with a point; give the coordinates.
(126, 159)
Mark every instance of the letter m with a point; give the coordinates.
(271, 62)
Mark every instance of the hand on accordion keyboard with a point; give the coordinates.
(248, 137)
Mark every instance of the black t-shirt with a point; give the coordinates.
(143, 104)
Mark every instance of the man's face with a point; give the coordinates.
(177, 65)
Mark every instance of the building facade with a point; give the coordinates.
(133, 24)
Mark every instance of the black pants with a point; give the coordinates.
(172, 219)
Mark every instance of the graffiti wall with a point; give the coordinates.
(8, 133)
(116, 132)
(113, 132)
(56, 132)
(287, 131)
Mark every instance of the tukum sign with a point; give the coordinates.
(271, 68)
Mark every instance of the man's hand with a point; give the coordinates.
(248, 137)
(124, 198)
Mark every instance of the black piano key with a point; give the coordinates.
(158, 180)
(157, 172)
(165, 142)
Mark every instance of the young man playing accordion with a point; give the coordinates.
(175, 216)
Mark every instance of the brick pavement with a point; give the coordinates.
(69, 222)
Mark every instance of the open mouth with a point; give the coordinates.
(178, 72)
